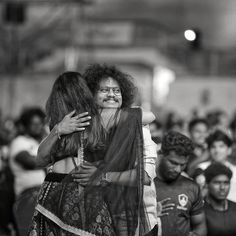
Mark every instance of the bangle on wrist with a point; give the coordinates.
(104, 179)
(57, 132)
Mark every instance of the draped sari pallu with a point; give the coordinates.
(66, 208)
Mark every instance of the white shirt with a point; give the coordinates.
(150, 161)
(24, 179)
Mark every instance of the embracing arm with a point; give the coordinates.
(43, 158)
(68, 125)
(128, 177)
(198, 223)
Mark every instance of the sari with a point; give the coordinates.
(66, 208)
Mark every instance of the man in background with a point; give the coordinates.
(181, 204)
(220, 212)
(219, 145)
(27, 178)
(198, 131)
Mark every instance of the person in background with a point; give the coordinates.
(218, 120)
(7, 223)
(220, 212)
(22, 160)
(179, 198)
(198, 131)
(219, 145)
(7, 134)
(174, 122)
(199, 177)
(232, 157)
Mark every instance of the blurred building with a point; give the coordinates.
(146, 38)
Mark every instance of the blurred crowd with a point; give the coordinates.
(19, 141)
(213, 135)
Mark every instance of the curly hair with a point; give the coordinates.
(70, 92)
(177, 142)
(95, 73)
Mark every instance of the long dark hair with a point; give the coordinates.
(70, 92)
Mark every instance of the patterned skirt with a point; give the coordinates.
(64, 208)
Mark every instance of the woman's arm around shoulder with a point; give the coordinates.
(68, 125)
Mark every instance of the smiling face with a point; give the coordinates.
(109, 94)
(199, 133)
(218, 187)
(219, 151)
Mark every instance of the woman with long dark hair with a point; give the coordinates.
(64, 206)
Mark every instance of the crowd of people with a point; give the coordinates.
(93, 164)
